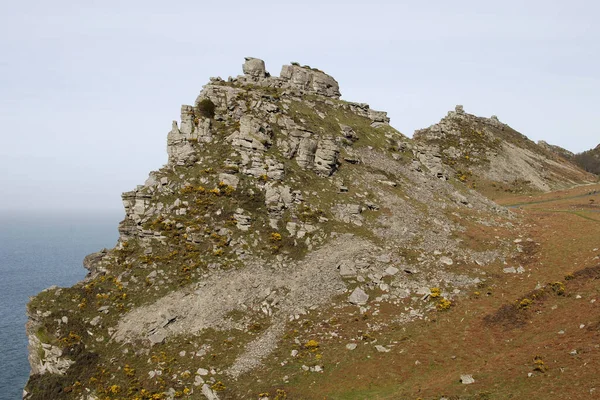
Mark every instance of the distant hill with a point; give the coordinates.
(589, 160)
(488, 154)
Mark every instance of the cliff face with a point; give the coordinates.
(279, 202)
(485, 152)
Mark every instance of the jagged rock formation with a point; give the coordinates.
(486, 151)
(564, 153)
(279, 200)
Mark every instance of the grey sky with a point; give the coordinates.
(88, 89)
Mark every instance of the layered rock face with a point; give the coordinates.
(484, 151)
(279, 202)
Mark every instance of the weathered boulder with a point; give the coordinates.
(358, 297)
(326, 156)
(305, 156)
(254, 68)
(310, 80)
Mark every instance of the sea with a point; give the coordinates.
(38, 250)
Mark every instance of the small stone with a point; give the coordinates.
(391, 271)
(351, 346)
(446, 260)
(510, 270)
(294, 353)
(467, 379)
(358, 297)
(208, 393)
(382, 349)
(388, 183)
(157, 337)
(347, 270)
(202, 372)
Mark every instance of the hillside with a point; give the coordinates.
(589, 160)
(494, 158)
(562, 152)
(297, 246)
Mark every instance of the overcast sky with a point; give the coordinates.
(88, 89)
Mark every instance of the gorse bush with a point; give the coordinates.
(206, 108)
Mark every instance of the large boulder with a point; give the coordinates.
(310, 80)
(254, 68)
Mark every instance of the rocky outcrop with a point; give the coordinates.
(564, 153)
(484, 151)
(254, 68)
(310, 80)
(278, 201)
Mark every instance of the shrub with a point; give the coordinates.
(558, 288)
(276, 237)
(312, 345)
(206, 108)
(444, 304)
(539, 365)
(525, 303)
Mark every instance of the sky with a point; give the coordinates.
(88, 89)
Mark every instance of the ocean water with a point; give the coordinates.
(38, 250)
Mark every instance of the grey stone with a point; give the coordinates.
(467, 379)
(358, 297)
(229, 180)
(157, 337)
(254, 68)
(347, 270)
(382, 349)
(351, 346)
(326, 157)
(209, 393)
(310, 80)
(446, 260)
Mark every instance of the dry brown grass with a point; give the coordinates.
(490, 337)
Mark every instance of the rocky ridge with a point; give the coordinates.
(279, 201)
(484, 151)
